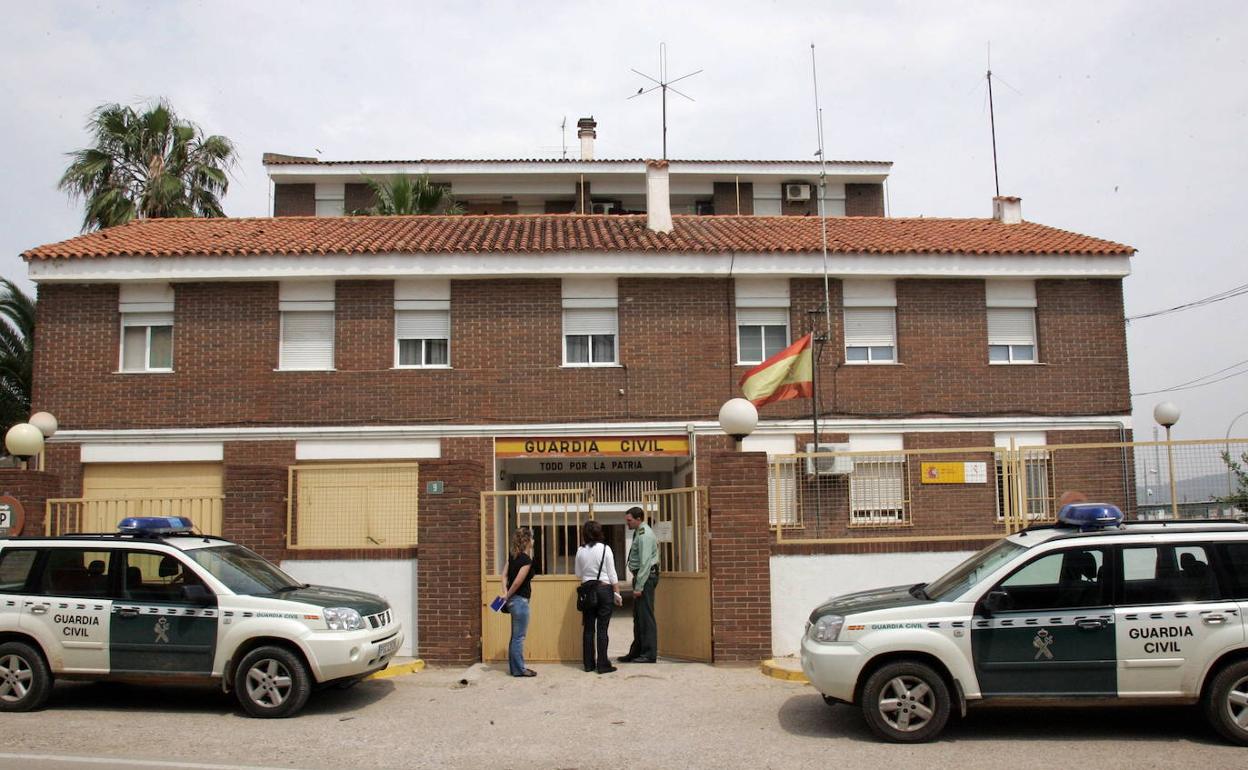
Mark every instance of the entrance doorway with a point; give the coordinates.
(683, 606)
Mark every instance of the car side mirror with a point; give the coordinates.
(995, 601)
(197, 594)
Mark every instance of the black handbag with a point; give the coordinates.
(587, 592)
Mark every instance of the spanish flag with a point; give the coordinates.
(785, 375)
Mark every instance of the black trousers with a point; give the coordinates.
(645, 629)
(594, 625)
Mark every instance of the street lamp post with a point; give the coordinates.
(738, 418)
(1167, 414)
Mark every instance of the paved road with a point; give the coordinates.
(664, 715)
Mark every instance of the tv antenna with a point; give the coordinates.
(661, 82)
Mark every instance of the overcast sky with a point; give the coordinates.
(1124, 120)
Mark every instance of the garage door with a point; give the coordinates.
(113, 491)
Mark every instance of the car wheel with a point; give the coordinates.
(906, 702)
(1226, 702)
(272, 682)
(24, 679)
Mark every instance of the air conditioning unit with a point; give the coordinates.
(797, 192)
(829, 466)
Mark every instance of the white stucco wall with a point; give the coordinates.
(393, 580)
(801, 583)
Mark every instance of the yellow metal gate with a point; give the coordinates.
(683, 600)
(555, 517)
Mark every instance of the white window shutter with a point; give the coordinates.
(870, 326)
(1011, 326)
(762, 316)
(307, 340)
(589, 321)
(423, 324)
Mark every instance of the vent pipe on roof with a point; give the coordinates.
(658, 202)
(586, 133)
(1007, 210)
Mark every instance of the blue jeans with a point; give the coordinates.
(519, 607)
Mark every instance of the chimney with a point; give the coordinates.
(586, 133)
(658, 202)
(1007, 210)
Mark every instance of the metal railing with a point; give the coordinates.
(67, 515)
(984, 492)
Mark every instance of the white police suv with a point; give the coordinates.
(1087, 611)
(157, 602)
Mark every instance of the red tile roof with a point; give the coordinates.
(531, 233)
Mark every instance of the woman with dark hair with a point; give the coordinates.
(516, 598)
(596, 564)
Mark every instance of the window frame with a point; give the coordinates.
(424, 346)
(591, 363)
(147, 347)
(762, 330)
(281, 341)
(871, 360)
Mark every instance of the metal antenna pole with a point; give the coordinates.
(992, 121)
(661, 83)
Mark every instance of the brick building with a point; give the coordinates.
(206, 358)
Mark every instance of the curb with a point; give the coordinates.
(402, 669)
(776, 670)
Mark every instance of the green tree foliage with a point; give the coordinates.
(17, 345)
(405, 195)
(1239, 472)
(146, 165)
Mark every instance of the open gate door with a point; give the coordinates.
(683, 600)
(555, 517)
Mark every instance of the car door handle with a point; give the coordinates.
(128, 612)
(1213, 620)
(39, 609)
(1091, 624)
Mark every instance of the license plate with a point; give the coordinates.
(385, 648)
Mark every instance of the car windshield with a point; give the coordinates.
(964, 576)
(243, 571)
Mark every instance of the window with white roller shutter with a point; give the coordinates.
(1011, 321)
(870, 321)
(146, 327)
(307, 334)
(590, 322)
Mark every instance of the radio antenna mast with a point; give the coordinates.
(662, 83)
(992, 122)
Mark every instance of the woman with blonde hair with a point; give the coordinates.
(595, 564)
(516, 598)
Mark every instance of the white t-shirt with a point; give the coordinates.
(587, 558)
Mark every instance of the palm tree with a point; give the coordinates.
(147, 165)
(17, 346)
(404, 195)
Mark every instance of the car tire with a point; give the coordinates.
(906, 702)
(272, 682)
(1226, 702)
(25, 682)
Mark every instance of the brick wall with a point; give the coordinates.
(676, 347)
(255, 479)
(726, 198)
(449, 570)
(864, 200)
(740, 555)
(294, 200)
(32, 489)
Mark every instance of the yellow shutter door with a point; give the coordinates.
(152, 489)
